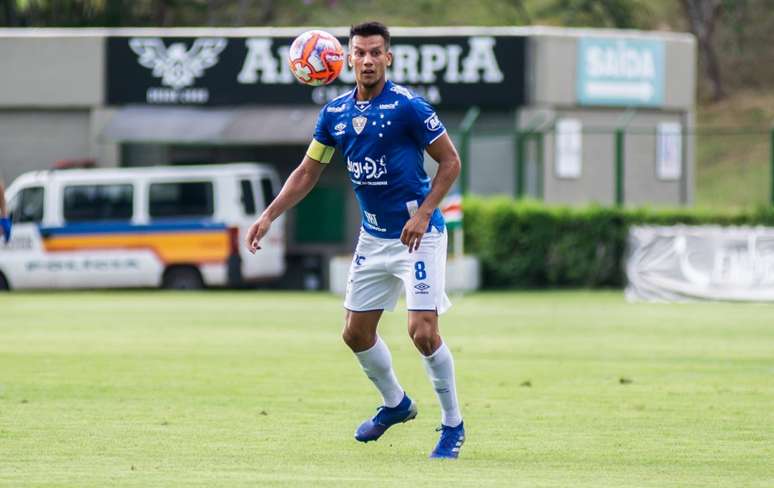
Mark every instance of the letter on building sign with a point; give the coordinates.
(259, 58)
(405, 59)
(481, 58)
(433, 59)
(452, 74)
(285, 76)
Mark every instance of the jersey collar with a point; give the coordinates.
(364, 106)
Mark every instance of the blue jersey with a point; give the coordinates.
(384, 141)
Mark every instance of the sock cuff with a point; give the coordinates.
(439, 353)
(377, 345)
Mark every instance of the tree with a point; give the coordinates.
(702, 17)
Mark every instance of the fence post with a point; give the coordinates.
(619, 166)
(465, 128)
(539, 165)
(520, 139)
(771, 169)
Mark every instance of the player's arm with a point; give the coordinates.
(443, 152)
(298, 185)
(3, 208)
(5, 220)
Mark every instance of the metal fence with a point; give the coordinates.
(622, 165)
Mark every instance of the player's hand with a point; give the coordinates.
(256, 232)
(5, 223)
(413, 231)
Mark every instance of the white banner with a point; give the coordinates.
(569, 148)
(700, 263)
(669, 155)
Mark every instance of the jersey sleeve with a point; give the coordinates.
(426, 126)
(322, 146)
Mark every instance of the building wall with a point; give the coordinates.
(51, 71)
(35, 139)
(597, 180)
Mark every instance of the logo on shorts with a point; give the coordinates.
(359, 259)
(421, 289)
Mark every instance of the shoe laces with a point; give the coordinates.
(448, 440)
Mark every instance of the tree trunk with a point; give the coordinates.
(702, 16)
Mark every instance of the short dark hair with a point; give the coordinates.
(372, 28)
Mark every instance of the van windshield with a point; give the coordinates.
(27, 205)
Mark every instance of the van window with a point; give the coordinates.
(248, 199)
(268, 191)
(181, 199)
(27, 205)
(98, 202)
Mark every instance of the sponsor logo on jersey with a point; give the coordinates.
(401, 91)
(433, 122)
(368, 172)
(372, 223)
(359, 123)
(337, 110)
(339, 128)
(389, 106)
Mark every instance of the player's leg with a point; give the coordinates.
(426, 298)
(369, 291)
(438, 361)
(373, 354)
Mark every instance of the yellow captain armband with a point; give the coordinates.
(320, 152)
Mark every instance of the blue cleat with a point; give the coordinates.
(449, 444)
(386, 417)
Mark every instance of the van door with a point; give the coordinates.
(257, 193)
(93, 245)
(24, 259)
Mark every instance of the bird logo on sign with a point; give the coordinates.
(177, 66)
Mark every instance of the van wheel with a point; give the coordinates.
(183, 278)
(4, 283)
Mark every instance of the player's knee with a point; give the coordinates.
(357, 340)
(425, 336)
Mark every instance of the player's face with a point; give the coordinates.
(369, 58)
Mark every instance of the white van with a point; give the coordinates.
(178, 227)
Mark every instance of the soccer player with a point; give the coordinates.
(5, 220)
(383, 130)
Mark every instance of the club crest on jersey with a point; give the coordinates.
(359, 123)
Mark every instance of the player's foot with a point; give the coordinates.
(386, 417)
(449, 444)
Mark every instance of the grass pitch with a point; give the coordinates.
(257, 389)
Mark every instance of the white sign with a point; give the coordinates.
(669, 151)
(700, 262)
(569, 148)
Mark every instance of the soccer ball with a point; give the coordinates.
(316, 58)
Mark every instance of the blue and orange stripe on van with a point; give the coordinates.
(196, 242)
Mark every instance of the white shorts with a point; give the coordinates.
(382, 268)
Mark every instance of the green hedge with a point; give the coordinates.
(526, 244)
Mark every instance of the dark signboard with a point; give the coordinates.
(451, 71)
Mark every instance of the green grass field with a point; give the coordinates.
(257, 389)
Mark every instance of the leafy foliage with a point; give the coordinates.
(525, 244)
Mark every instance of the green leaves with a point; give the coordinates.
(526, 244)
